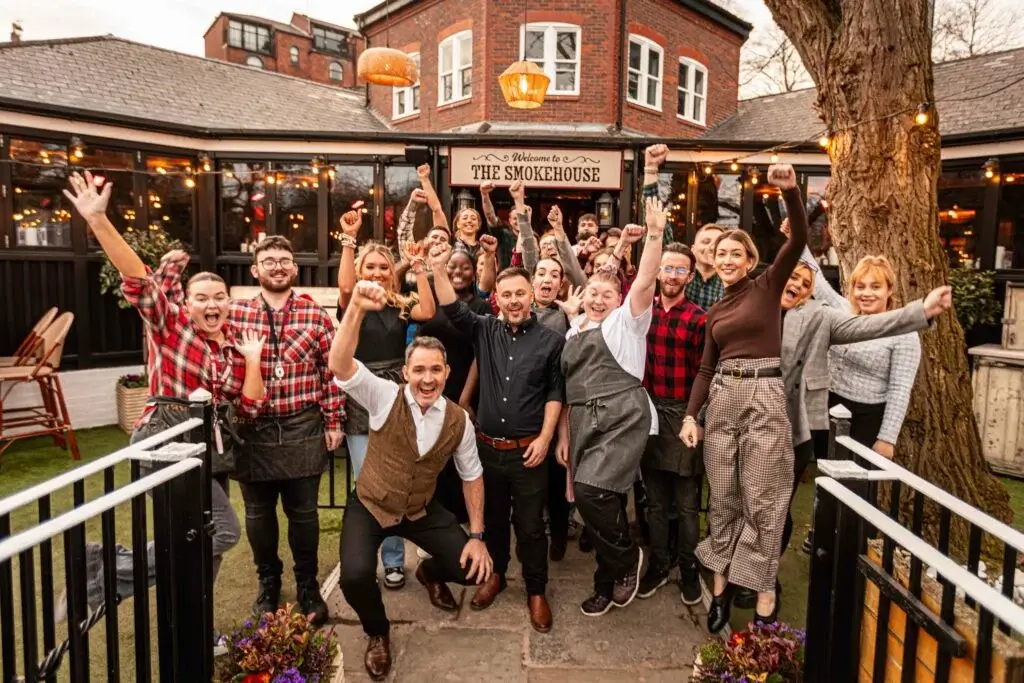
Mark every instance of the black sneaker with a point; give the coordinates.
(312, 604)
(596, 605)
(652, 581)
(269, 596)
(689, 586)
(625, 588)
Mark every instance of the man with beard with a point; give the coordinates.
(520, 400)
(285, 448)
(672, 473)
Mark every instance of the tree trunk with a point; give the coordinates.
(871, 59)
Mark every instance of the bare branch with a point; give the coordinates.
(966, 28)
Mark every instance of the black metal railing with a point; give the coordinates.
(847, 514)
(182, 524)
(336, 460)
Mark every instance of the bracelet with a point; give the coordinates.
(688, 418)
(653, 238)
(652, 169)
(348, 241)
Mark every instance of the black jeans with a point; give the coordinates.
(663, 489)
(558, 505)
(299, 500)
(512, 490)
(449, 492)
(438, 533)
(866, 420)
(604, 513)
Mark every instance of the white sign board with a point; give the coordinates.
(571, 168)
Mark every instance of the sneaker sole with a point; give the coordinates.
(651, 592)
(639, 566)
(699, 599)
(395, 586)
(597, 614)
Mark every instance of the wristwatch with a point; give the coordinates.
(477, 536)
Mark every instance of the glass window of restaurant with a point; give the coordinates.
(399, 182)
(296, 210)
(171, 197)
(961, 202)
(115, 167)
(351, 188)
(820, 241)
(719, 199)
(769, 210)
(243, 206)
(39, 174)
(1010, 236)
(673, 185)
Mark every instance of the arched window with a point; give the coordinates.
(335, 72)
(253, 60)
(294, 52)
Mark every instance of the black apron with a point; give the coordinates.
(665, 450)
(167, 412)
(281, 448)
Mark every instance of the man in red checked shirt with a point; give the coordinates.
(284, 450)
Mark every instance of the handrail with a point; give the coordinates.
(972, 514)
(991, 599)
(79, 515)
(30, 495)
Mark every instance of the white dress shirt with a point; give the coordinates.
(378, 395)
(626, 338)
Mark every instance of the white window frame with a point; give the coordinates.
(454, 43)
(551, 31)
(251, 62)
(293, 54)
(341, 72)
(693, 66)
(647, 46)
(408, 94)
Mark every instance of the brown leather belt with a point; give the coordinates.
(502, 444)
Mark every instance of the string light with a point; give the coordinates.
(774, 158)
(733, 166)
(271, 179)
(190, 182)
(923, 114)
(825, 139)
(707, 169)
(77, 148)
(204, 159)
(315, 164)
(991, 168)
(754, 177)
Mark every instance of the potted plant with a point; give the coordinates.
(762, 654)
(133, 390)
(280, 647)
(974, 297)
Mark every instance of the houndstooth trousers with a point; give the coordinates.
(748, 455)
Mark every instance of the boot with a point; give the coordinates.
(311, 603)
(269, 596)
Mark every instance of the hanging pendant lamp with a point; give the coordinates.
(386, 65)
(524, 84)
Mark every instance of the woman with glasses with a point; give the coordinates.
(381, 348)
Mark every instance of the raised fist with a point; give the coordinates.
(782, 176)
(489, 243)
(423, 171)
(369, 296)
(518, 191)
(351, 221)
(555, 217)
(655, 155)
(439, 256)
(419, 196)
(632, 233)
(486, 187)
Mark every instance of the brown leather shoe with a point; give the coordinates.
(378, 657)
(488, 591)
(540, 613)
(440, 595)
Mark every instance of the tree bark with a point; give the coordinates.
(871, 59)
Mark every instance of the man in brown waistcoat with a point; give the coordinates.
(413, 432)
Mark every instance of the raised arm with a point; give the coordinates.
(351, 222)
(457, 312)
(784, 177)
(654, 157)
(570, 264)
(490, 217)
(916, 316)
(424, 309)
(331, 402)
(92, 205)
(407, 221)
(487, 263)
(823, 290)
(436, 210)
(641, 294)
(524, 220)
(366, 296)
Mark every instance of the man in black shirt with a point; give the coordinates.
(521, 393)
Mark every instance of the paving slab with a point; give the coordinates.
(606, 676)
(409, 605)
(462, 655)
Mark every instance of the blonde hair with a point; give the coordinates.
(479, 220)
(810, 271)
(743, 238)
(395, 298)
(880, 268)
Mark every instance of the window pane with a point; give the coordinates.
(769, 210)
(235, 34)
(121, 209)
(719, 200)
(446, 88)
(633, 86)
(264, 38)
(243, 206)
(253, 60)
(635, 50)
(170, 200)
(42, 215)
(249, 37)
(400, 101)
(466, 50)
(294, 52)
(653, 63)
(399, 182)
(467, 82)
(446, 58)
(683, 104)
(653, 95)
(535, 45)
(415, 98)
(352, 188)
(698, 105)
(334, 71)
(565, 78)
(672, 192)
(961, 199)
(698, 82)
(296, 206)
(566, 45)
(684, 76)
(1010, 241)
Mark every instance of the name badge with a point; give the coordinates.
(279, 371)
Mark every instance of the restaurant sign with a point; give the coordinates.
(584, 168)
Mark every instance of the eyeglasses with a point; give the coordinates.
(678, 270)
(271, 263)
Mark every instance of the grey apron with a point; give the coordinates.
(357, 420)
(665, 450)
(168, 412)
(609, 414)
(280, 448)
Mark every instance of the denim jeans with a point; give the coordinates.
(392, 551)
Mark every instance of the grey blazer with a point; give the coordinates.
(807, 333)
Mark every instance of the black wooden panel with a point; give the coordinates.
(27, 289)
(112, 329)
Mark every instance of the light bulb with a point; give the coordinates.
(774, 158)
(524, 84)
(734, 166)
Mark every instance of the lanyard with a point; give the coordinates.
(275, 345)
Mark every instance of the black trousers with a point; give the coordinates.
(449, 492)
(299, 500)
(520, 493)
(558, 506)
(802, 456)
(668, 492)
(866, 421)
(437, 532)
(604, 513)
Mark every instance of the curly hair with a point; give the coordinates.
(404, 303)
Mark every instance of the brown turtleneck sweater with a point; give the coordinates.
(747, 323)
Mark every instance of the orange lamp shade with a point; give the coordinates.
(524, 85)
(387, 66)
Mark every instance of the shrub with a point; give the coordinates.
(279, 647)
(761, 654)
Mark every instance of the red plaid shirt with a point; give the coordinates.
(304, 335)
(675, 344)
(185, 359)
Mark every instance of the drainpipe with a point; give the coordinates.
(622, 65)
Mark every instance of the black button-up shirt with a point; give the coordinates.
(520, 371)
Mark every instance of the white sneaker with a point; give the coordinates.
(423, 554)
(394, 578)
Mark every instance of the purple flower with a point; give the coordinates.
(291, 675)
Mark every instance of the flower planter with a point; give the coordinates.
(130, 403)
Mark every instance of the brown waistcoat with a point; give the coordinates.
(395, 482)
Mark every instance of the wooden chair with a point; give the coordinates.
(29, 348)
(50, 418)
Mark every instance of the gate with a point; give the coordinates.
(182, 572)
(866, 556)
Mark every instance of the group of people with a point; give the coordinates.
(495, 379)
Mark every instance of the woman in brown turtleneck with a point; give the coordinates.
(748, 431)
